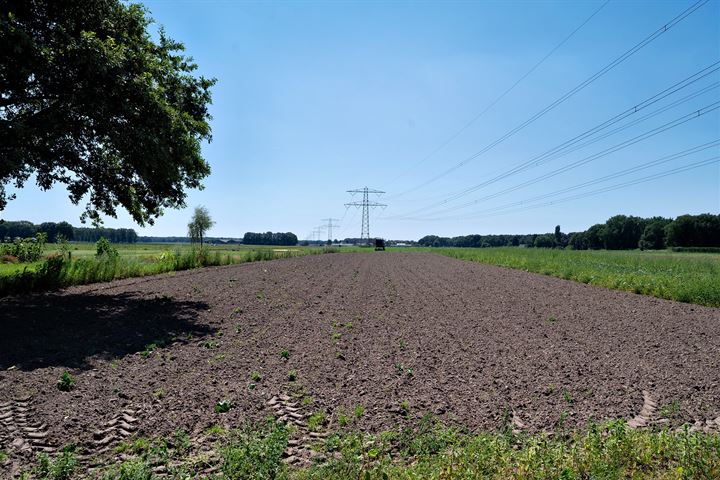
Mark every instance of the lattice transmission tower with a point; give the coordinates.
(330, 226)
(366, 205)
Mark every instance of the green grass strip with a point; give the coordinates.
(681, 276)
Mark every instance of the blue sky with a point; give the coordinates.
(315, 98)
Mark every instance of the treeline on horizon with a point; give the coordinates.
(250, 238)
(11, 230)
(621, 232)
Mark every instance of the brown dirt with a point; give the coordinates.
(473, 344)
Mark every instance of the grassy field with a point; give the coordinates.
(681, 276)
(429, 451)
(82, 266)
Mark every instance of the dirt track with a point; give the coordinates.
(470, 343)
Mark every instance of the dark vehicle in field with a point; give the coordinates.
(379, 244)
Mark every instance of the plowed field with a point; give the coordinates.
(400, 334)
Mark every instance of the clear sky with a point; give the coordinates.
(316, 98)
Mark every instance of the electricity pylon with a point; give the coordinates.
(316, 234)
(366, 205)
(330, 226)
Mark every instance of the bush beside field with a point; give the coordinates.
(65, 268)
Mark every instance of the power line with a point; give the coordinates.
(366, 205)
(344, 229)
(622, 145)
(674, 171)
(502, 95)
(644, 166)
(677, 19)
(565, 147)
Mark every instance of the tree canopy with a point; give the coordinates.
(270, 238)
(88, 99)
(617, 233)
(199, 224)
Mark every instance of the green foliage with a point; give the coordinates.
(66, 382)
(316, 420)
(199, 224)
(292, 375)
(694, 231)
(103, 248)
(59, 271)
(620, 232)
(130, 137)
(61, 468)
(611, 452)
(427, 450)
(285, 355)
(256, 453)
(270, 238)
(653, 237)
(544, 241)
(25, 249)
(223, 406)
(623, 232)
(670, 410)
(255, 376)
(216, 430)
(151, 347)
(181, 441)
(685, 277)
(359, 411)
(696, 249)
(134, 469)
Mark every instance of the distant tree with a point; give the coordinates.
(561, 239)
(594, 237)
(578, 241)
(623, 232)
(694, 231)
(653, 237)
(66, 230)
(199, 224)
(544, 241)
(428, 241)
(89, 99)
(50, 229)
(558, 236)
(270, 238)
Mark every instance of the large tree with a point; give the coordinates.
(88, 99)
(199, 224)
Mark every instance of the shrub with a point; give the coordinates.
(26, 249)
(256, 452)
(104, 248)
(66, 382)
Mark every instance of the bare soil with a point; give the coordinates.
(473, 344)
